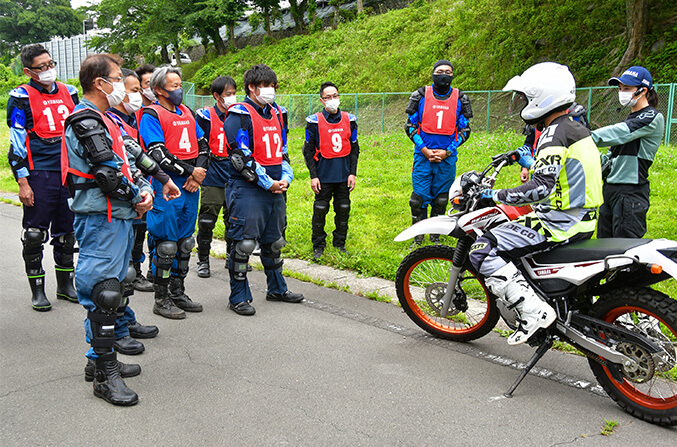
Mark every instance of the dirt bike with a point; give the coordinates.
(599, 289)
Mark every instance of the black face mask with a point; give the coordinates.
(442, 82)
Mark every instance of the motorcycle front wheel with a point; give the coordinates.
(422, 280)
(649, 387)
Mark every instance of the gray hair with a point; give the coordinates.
(159, 76)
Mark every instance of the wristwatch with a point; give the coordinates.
(449, 154)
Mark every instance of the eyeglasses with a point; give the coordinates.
(446, 72)
(330, 97)
(112, 78)
(47, 66)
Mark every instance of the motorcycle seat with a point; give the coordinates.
(588, 250)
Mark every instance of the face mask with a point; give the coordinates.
(148, 93)
(266, 95)
(134, 104)
(626, 98)
(442, 81)
(175, 96)
(332, 105)
(117, 95)
(48, 76)
(227, 101)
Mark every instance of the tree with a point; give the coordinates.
(298, 8)
(266, 11)
(636, 22)
(31, 21)
(209, 15)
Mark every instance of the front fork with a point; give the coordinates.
(460, 256)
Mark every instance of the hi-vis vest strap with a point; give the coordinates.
(217, 136)
(49, 112)
(118, 148)
(179, 131)
(334, 138)
(439, 116)
(267, 145)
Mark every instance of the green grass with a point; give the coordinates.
(609, 427)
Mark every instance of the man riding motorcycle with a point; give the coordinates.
(564, 192)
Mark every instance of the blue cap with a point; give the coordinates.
(635, 76)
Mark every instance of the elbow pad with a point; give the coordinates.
(240, 161)
(466, 108)
(157, 152)
(90, 131)
(113, 183)
(143, 161)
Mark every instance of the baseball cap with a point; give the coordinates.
(635, 76)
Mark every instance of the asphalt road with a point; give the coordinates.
(336, 370)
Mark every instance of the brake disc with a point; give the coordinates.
(641, 368)
(434, 294)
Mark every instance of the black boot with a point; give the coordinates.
(164, 306)
(138, 330)
(177, 294)
(64, 284)
(126, 370)
(140, 282)
(108, 384)
(39, 299)
(203, 268)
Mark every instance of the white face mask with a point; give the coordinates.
(266, 95)
(148, 93)
(134, 104)
(227, 101)
(627, 98)
(117, 95)
(332, 105)
(47, 76)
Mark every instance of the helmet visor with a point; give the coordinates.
(517, 103)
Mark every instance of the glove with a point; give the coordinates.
(488, 194)
(526, 159)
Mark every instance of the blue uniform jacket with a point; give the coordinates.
(46, 157)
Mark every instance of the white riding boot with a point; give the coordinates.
(534, 313)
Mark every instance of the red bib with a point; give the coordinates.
(334, 138)
(217, 136)
(267, 145)
(179, 131)
(49, 111)
(439, 116)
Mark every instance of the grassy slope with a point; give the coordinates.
(488, 41)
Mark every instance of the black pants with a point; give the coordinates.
(341, 196)
(623, 213)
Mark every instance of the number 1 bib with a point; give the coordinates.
(439, 116)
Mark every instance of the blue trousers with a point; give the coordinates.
(431, 179)
(105, 249)
(258, 215)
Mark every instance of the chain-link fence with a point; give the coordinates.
(385, 112)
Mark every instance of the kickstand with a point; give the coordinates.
(540, 352)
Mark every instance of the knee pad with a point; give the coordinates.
(415, 202)
(130, 275)
(321, 207)
(342, 207)
(186, 245)
(206, 222)
(107, 294)
(441, 200)
(240, 258)
(64, 248)
(164, 254)
(33, 239)
(271, 254)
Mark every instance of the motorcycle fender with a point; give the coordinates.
(651, 254)
(435, 225)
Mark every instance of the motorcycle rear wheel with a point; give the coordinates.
(422, 280)
(654, 315)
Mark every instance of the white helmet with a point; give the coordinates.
(546, 87)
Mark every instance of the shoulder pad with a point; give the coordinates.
(239, 109)
(283, 109)
(149, 111)
(204, 113)
(72, 89)
(352, 117)
(312, 119)
(19, 92)
(82, 114)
